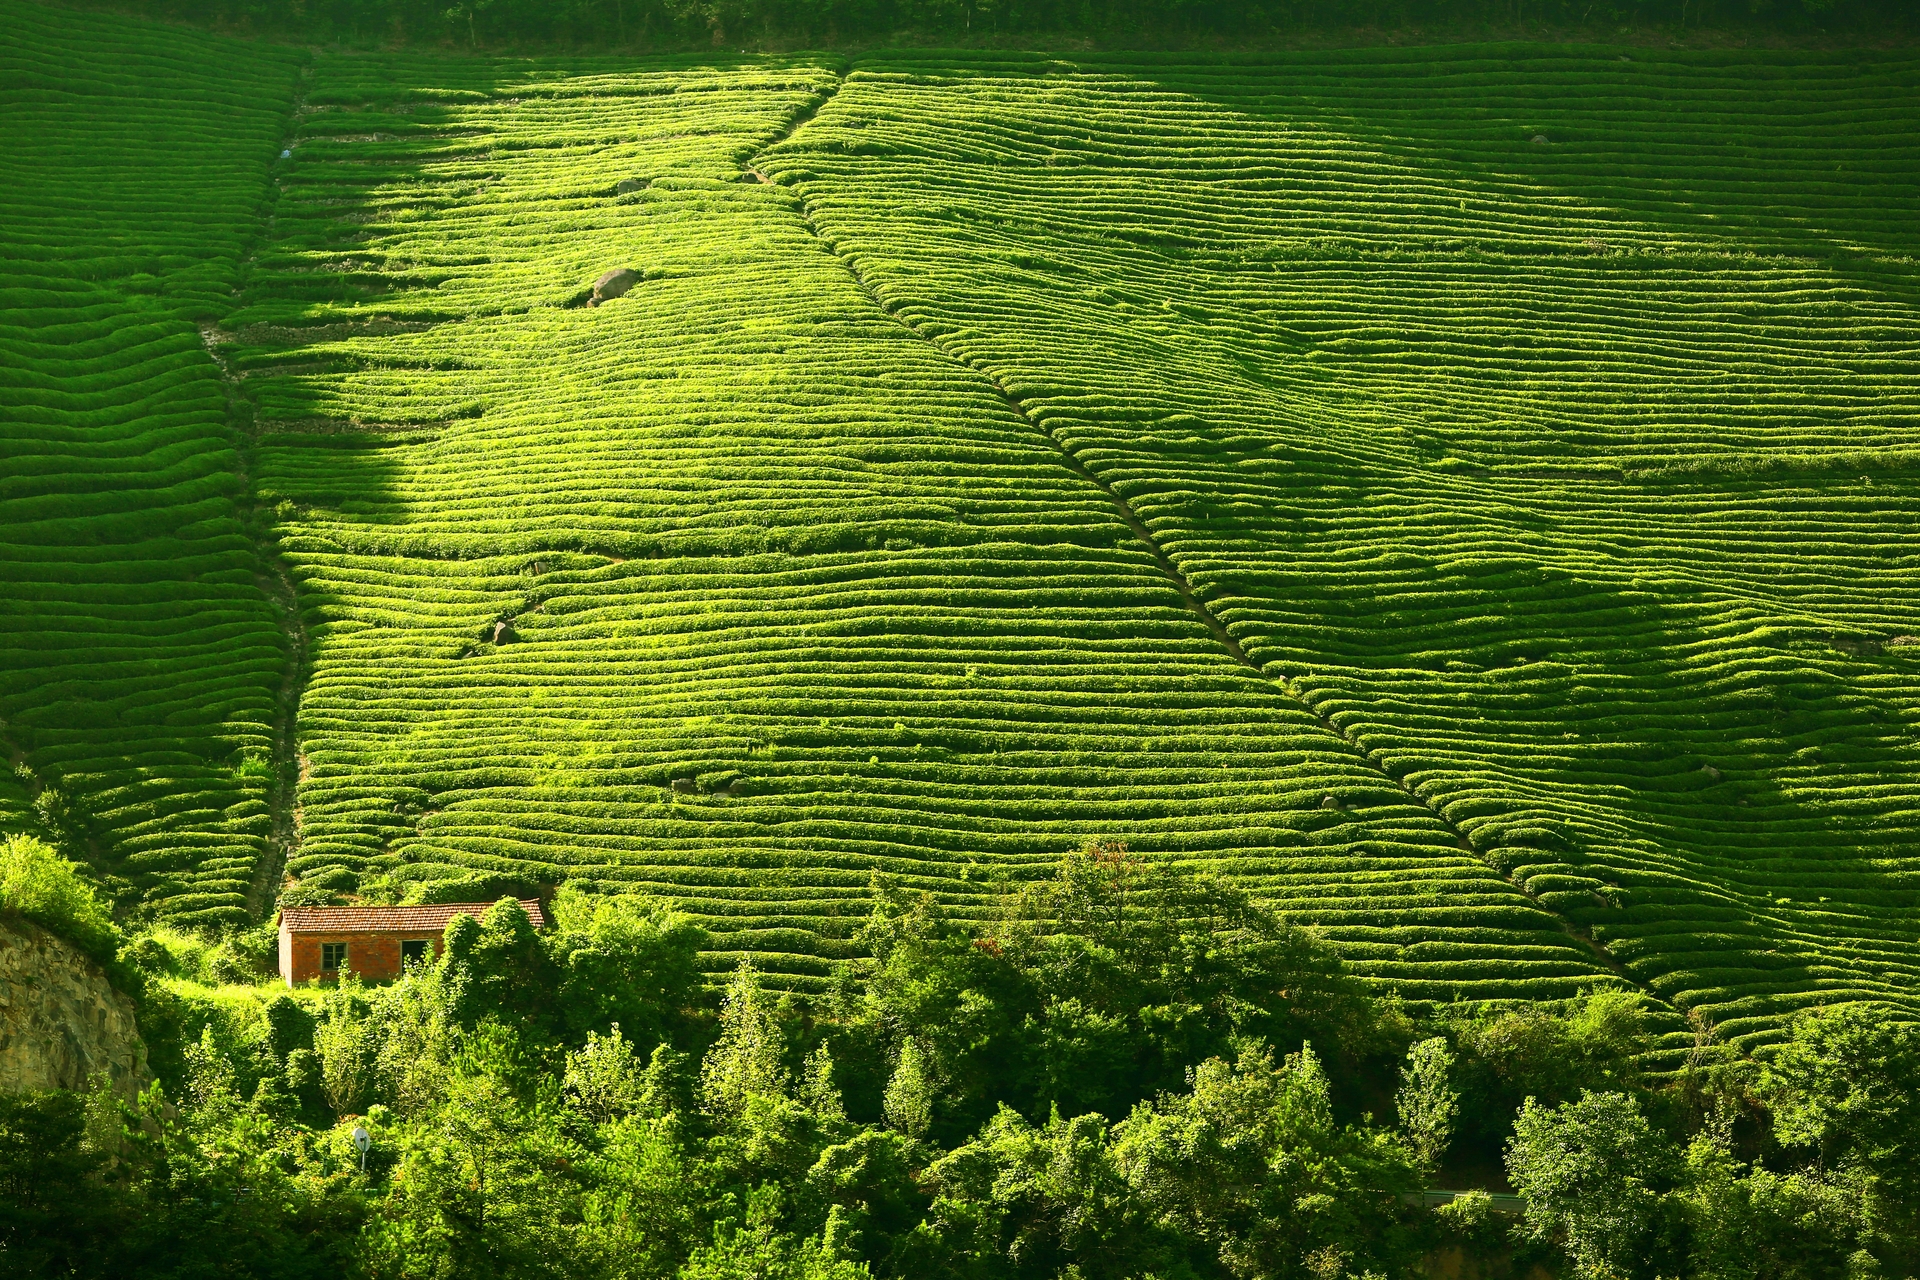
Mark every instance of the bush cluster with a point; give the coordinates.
(1124, 1076)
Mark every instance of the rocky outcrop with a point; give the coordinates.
(612, 284)
(61, 1021)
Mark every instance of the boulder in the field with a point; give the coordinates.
(613, 284)
(503, 632)
(683, 785)
(627, 186)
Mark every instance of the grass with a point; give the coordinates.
(1551, 497)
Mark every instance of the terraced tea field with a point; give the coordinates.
(1457, 493)
(1543, 419)
(139, 657)
(749, 536)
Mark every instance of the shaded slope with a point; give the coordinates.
(1563, 533)
(137, 654)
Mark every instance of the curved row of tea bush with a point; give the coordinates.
(1541, 417)
(790, 599)
(138, 656)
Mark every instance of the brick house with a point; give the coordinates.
(376, 943)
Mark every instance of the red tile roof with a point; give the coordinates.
(427, 919)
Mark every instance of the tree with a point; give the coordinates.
(1749, 1223)
(627, 961)
(348, 1047)
(818, 1090)
(485, 1189)
(38, 883)
(508, 971)
(1043, 1201)
(909, 1098)
(1591, 1173)
(604, 1080)
(59, 1213)
(1251, 1163)
(1427, 1101)
(1844, 1085)
(747, 1058)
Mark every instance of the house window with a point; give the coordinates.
(333, 956)
(413, 951)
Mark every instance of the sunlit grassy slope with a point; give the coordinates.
(749, 534)
(1554, 493)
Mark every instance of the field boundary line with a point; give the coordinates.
(1285, 684)
(271, 574)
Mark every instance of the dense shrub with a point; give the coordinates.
(36, 882)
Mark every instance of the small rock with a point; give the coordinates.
(612, 284)
(738, 787)
(627, 186)
(503, 632)
(1331, 802)
(1711, 772)
(683, 785)
(1539, 139)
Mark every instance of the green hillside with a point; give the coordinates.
(1458, 493)
(140, 658)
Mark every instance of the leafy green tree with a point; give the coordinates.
(508, 970)
(1040, 1201)
(1427, 1102)
(485, 1188)
(641, 1206)
(347, 1044)
(1509, 1055)
(1251, 1164)
(1592, 1173)
(910, 1093)
(1097, 988)
(874, 1201)
(1746, 1222)
(818, 1089)
(60, 1212)
(747, 1060)
(625, 960)
(761, 1253)
(1844, 1087)
(604, 1080)
(416, 1025)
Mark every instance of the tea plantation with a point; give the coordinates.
(1464, 494)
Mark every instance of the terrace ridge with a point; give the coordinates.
(1197, 606)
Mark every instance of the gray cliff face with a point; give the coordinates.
(61, 1022)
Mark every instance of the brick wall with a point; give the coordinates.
(373, 956)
